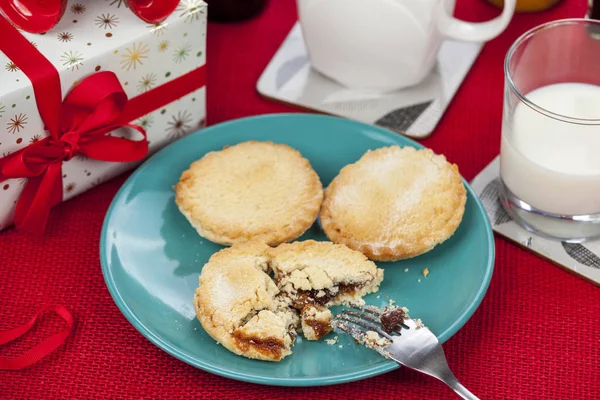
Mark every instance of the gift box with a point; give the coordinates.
(91, 99)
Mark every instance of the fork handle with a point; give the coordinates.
(459, 389)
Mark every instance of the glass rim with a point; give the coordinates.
(520, 40)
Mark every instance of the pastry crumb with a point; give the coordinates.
(425, 272)
(391, 302)
(419, 280)
(331, 342)
(378, 296)
(341, 346)
(419, 323)
(372, 338)
(315, 322)
(405, 310)
(405, 269)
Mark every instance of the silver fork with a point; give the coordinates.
(412, 344)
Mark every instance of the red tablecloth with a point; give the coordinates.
(536, 334)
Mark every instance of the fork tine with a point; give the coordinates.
(373, 314)
(358, 320)
(373, 309)
(360, 336)
(368, 309)
(355, 333)
(365, 324)
(369, 317)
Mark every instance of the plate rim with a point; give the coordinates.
(261, 379)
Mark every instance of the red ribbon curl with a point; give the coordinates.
(40, 350)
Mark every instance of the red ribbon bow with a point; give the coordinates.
(88, 113)
(79, 125)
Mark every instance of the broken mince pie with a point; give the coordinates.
(256, 316)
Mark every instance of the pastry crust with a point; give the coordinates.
(394, 203)
(244, 309)
(237, 305)
(323, 273)
(315, 322)
(252, 190)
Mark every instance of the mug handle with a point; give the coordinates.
(454, 28)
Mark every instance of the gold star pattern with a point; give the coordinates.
(190, 9)
(182, 53)
(11, 66)
(35, 138)
(69, 187)
(78, 8)
(72, 59)
(179, 125)
(107, 21)
(17, 123)
(65, 36)
(146, 121)
(158, 29)
(164, 45)
(134, 56)
(119, 3)
(146, 83)
(95, 182)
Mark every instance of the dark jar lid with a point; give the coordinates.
(594, 9)
(234, 10)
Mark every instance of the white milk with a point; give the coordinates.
(552, 165)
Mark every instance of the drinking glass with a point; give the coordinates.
(550, 148)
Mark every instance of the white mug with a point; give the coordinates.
(384, 45)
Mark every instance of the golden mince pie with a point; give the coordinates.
(252, 190)
(394, 203)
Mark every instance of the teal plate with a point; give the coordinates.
(151, 257)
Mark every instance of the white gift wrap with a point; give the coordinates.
(96, 36)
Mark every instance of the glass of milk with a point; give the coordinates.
(550, 150)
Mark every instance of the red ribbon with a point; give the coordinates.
(40, 350)
(77, 125)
